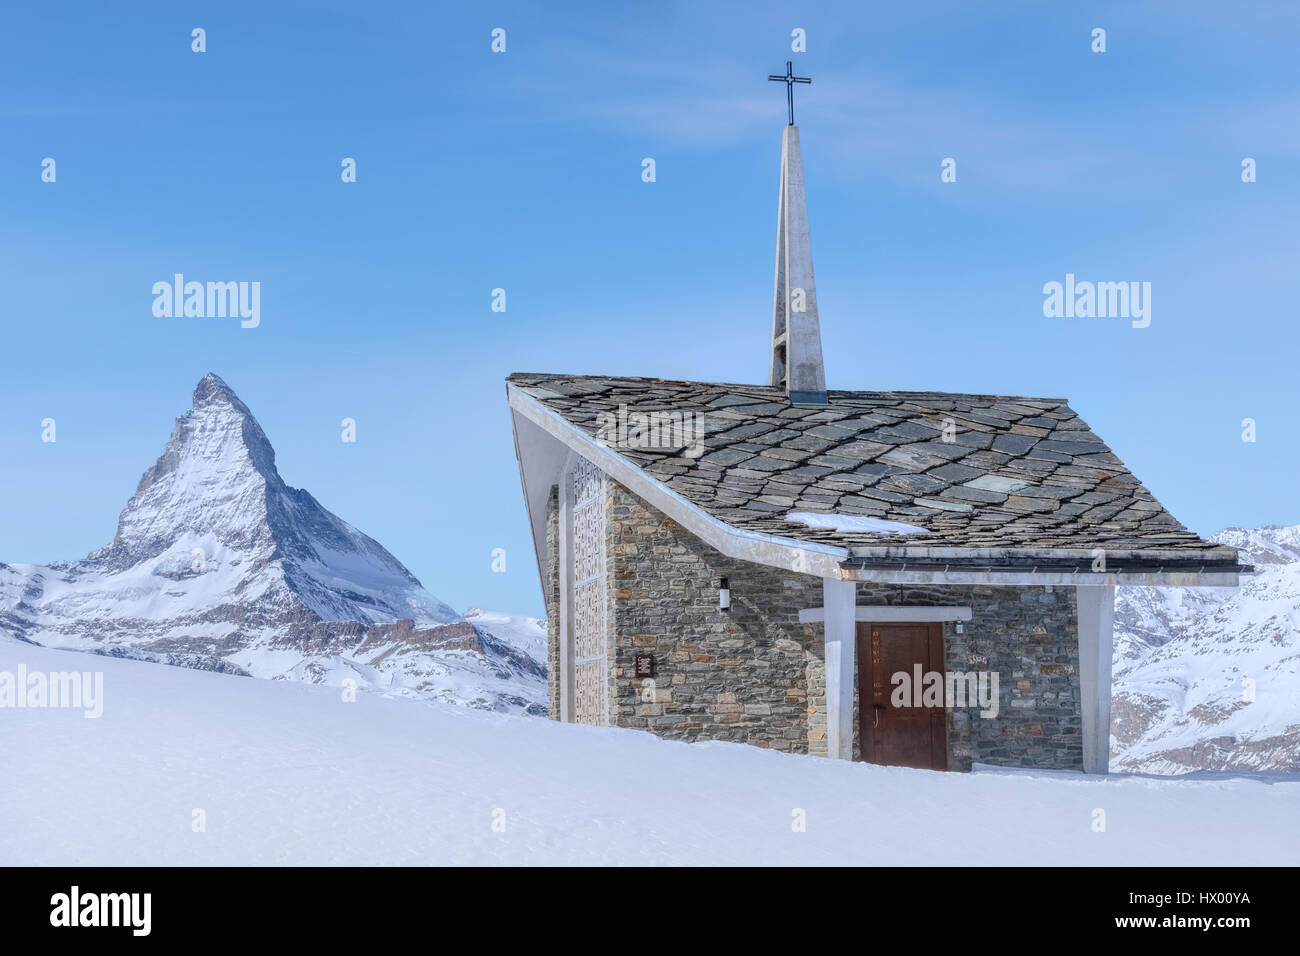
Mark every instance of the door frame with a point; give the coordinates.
(866, 690)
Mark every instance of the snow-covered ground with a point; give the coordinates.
(291, 773)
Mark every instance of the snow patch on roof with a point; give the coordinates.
(849, 524)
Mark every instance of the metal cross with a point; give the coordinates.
(790, 80)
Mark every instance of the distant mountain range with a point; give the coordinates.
(1209, 678)
(218, 564)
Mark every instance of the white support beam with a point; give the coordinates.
(1096, 615)
(1037, 579)
(889, 614)
(839, 598)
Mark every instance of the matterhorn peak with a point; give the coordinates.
(216, 406)
(214, 479)
(212, 388)
(213, 517)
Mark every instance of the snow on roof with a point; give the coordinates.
(845, 524)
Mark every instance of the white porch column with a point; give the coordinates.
(839, 599)
(1096, 606)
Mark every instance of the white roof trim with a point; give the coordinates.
(995, 578)
(799, 556)
(920, 551)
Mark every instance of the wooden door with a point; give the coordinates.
(900, 736)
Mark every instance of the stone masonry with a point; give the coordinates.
(752, 675)
(755, 674)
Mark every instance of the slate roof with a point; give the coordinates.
(1020, 475)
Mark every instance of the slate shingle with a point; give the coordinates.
(1020, 473)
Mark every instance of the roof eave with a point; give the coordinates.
(788, 553)
(911, 564)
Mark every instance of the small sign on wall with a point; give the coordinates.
(645, 665)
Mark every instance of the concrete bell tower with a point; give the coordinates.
(796, 330)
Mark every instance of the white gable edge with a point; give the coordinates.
(802, 557)
(541, 465)
(540, 470)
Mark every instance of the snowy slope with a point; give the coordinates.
(1189, 660)
(218, 564)
(291, 774)
(524, 633)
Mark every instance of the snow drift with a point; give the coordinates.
(282, 773)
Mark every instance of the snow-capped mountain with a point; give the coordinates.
(1209, 678)
(523, 633)
(218, 564)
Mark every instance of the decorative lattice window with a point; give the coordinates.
(590, 657)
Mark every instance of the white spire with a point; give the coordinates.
(796, 330)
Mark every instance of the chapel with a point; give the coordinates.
(922, 579)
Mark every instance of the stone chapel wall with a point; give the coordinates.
(752, 675)
(755, 674)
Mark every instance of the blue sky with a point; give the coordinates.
(522, 170)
